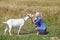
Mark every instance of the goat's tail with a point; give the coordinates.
(4, 22)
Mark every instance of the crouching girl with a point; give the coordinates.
(39, 23)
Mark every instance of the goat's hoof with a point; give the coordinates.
(18, 34)
(4, 33)
(37, 34)
(10, 34)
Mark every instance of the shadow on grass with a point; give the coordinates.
(27, 33)
(31, 33)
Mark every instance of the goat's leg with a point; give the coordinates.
(10, 30)
(5, 30)
(19, 29)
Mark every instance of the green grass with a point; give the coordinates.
(27, 37)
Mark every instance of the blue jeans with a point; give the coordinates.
(42, 29)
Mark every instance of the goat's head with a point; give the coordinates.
(30, 15)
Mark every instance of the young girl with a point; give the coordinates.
(39, 23)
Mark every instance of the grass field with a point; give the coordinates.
(50, 10)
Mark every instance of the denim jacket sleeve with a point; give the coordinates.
(36, 21)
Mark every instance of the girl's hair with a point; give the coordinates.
(38, 14)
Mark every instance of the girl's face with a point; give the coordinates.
(37, 14)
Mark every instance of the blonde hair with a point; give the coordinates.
(38, 14)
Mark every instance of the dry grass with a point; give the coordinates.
(16, 12)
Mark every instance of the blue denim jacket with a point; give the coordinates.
(40, 23)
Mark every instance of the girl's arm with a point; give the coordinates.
(33, 22)
(36, 21)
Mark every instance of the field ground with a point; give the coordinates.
(50, 10)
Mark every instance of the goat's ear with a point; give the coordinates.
(25, 14)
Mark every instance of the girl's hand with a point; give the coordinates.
(32, 20)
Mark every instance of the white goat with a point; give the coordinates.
(16, 22)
